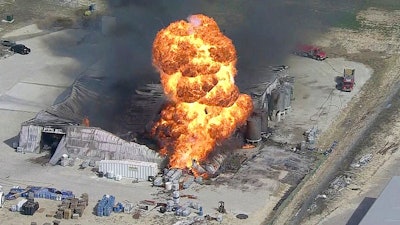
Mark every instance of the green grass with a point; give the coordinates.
(348, 20)
(382, 4)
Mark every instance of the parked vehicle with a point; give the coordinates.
(7, 43)
(310, 51)
(347, 83)
(21, 49)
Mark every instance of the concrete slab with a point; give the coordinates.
(23, 95)
(317, 101)
(33, 82)
(27, 30)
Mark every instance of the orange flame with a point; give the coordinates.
(197, 68)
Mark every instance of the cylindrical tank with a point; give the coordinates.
(280, 106)
(273, 100)
(175, 194)
(253, 131)
(214, 162)
(264, 121)
(175, 186)
(168, 185)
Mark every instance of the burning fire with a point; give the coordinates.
(197, 68)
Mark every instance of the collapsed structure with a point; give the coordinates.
(64, 129)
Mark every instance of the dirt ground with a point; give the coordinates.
(380, 35)
(375, 44)
(255, 189)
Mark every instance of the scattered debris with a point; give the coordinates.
(2, 197)
(136, 214)
(389, 147)
(340, 183)
(311, 135)
(128, 207)
(364, 160)
(38, 192)
(221, 208)
(323, 196)
(330, 150)
(9, 19)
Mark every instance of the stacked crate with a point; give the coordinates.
(73, 207)
(105, 205)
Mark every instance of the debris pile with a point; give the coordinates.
(175, 179)
(331, 148)
(338, 184)
(364, 160)
(38, 192)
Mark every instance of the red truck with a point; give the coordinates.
(348, 83)
(310, 51)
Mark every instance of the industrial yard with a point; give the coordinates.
(67, 132)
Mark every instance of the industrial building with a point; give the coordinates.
(62, 128)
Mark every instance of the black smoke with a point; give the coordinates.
(263, 32)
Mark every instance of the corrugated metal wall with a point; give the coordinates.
(29, 138)
(99, 144)
(129, 169)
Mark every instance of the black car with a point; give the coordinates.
(7, 43)
(21, 49)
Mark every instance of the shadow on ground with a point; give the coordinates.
(361, 210)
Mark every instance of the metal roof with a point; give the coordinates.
(385, 210)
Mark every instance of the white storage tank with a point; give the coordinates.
(129, 168)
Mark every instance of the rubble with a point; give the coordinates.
(364, 160)
(331, 148)
(38, 192)
(311, 136)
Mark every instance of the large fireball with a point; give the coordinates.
(197, 68)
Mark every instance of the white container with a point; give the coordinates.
(14, 208)
(170, 203)
(175, 194)
(129, 168)
(195, 205)
(176, 200)
(110, 175)
(168, 186)
(118, 177)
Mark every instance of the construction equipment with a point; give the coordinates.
(347, 83)
(310, 51)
